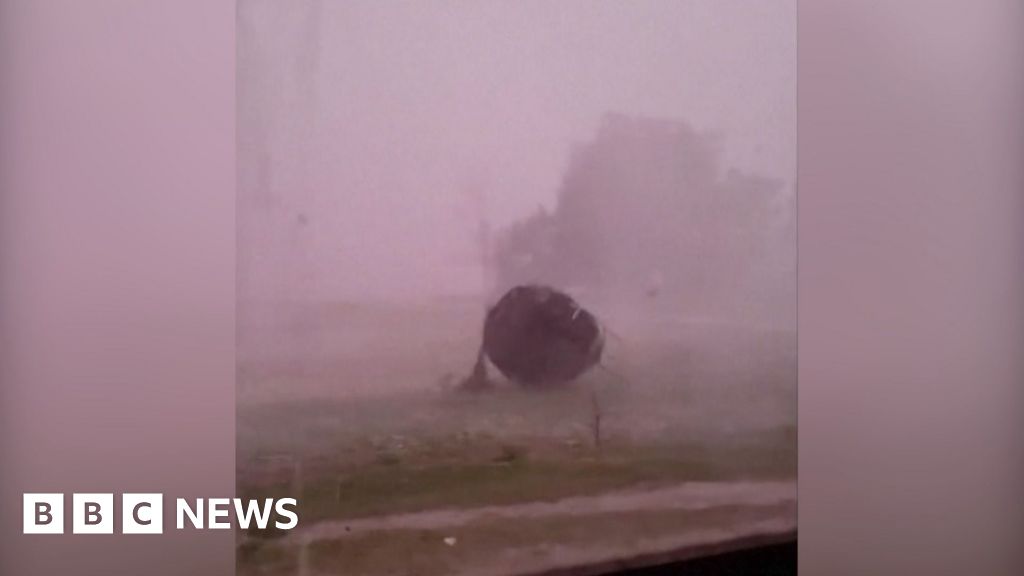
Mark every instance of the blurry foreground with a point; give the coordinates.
(687, 433)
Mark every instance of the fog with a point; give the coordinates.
(385, 149)
(401, 166)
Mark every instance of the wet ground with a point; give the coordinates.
(351, 409)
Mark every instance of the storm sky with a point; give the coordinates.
(388, 130)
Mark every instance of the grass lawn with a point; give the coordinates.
(350, 410)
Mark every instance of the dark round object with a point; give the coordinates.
(538, 335)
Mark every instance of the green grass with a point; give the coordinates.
(347, 409)
(459, 472)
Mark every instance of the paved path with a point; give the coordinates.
(687, 496)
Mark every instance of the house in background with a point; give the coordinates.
(647, 219)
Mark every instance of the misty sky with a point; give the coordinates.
(381, 120)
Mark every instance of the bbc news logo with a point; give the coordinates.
(143, 513)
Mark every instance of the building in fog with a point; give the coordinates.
(646, 213)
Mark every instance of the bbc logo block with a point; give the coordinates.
(93, 513)
(43, 513)
(142, 513)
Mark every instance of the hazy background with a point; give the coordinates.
(375, 140)
(400, 166)
(159, 76)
